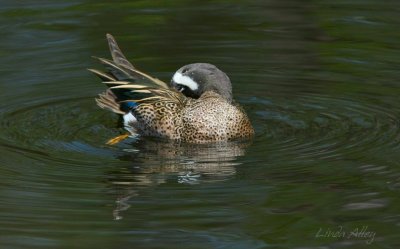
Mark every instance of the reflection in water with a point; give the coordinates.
(154, 162)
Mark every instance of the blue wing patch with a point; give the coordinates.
(129, 105)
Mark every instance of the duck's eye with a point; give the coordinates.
(187, 91)
(182, 88)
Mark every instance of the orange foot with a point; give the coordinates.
(117, 139)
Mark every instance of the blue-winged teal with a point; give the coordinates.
(196, 107)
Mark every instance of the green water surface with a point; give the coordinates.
(320, 81)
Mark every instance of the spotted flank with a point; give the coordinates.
(196, 107)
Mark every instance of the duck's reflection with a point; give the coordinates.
(156, 162)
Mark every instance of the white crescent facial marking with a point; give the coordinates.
(185, 80)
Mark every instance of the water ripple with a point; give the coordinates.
(320, 126)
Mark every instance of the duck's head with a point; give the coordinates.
(195, 79)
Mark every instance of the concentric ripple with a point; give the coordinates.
(70, 133)
(66, 163)
(74, 131)
(67, 124)
(312, 126)
(322, 126)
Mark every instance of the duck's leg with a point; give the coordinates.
(117, 139)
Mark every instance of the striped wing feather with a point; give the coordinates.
(116, 53)
(128, 84)
(120, 69)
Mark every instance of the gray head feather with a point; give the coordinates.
(195, 79)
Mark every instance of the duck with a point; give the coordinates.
(197, 105)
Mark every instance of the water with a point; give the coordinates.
(320, 82)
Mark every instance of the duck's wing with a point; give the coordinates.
(139, 94)
(129, 86)
(116, 53)
(149, 95)
(120, 69)
(122, 78)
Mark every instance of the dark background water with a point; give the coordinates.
(319, 80)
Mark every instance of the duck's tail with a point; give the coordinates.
(108, 100)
